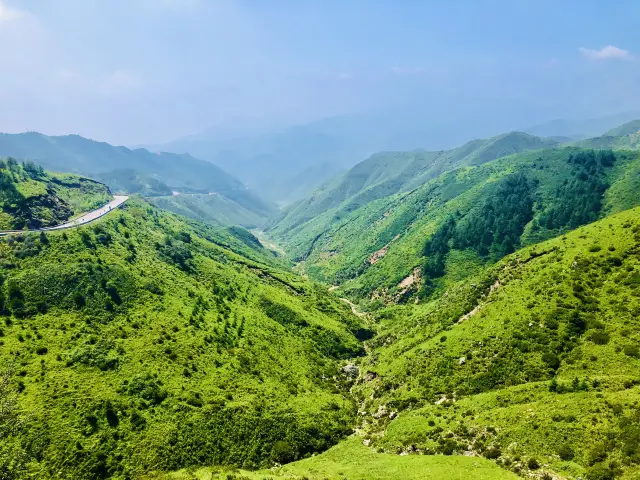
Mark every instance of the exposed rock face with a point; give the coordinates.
(350, 370)
(378, 254)
(370, 376)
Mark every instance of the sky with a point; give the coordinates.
(149, 71)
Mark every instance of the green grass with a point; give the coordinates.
(339, 252)
(351, 460)
(566, 309)
(33, 198)
(146, 342)
(214, 209)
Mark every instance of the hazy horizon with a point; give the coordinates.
(149, 72)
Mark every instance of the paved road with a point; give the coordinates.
(83, 220)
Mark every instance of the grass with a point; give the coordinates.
(33, 198)
(338, 252)
(214, 209)
(351, 460)
(146, 342)
(544, 361)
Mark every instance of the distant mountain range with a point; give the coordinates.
(579, 129)
(284, 166)
(133, 171)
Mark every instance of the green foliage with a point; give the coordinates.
(169, 357)
(351, 459)
(33, 198)
(13, 457)
(498, 206)
(579, 199)
(530, 356)
(497, 226)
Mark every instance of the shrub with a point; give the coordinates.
(565, 452)
(631, 351)
(147, 388)
(492, 453)
(551, 360)
(599, 337)
(600, 472)
(533, 464)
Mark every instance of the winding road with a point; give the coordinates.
(82, 220)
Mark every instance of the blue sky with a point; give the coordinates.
(148, 71)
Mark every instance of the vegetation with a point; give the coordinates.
(520, 363)
(32, 198)
(146, 342)
(502, 298)
(351, 459)
(486, 211)
(132, 171)
(388, 173)
(212, 208)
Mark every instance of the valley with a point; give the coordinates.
(472, 314)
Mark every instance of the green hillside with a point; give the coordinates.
(148, 342)
(625, 136)
(533, 362)
(381, 249)
(387, 173)
(351, 459)
(131, 171)
(496, 334)
(32, 198)
(213, 208)
(628, 128)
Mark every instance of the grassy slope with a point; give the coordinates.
(624, 136)
(148, 342)
(403, 221)
(41, 199)
(385, 174)
(352, 460)
(214, 209)
(568, 308)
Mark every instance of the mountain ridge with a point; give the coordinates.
(133, 170)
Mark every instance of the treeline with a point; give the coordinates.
(578, 200)
(492, 231)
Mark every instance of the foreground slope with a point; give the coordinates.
(146, 342)
(32, 198)
(351, 459)
(533, 362)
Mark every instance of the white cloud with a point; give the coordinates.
(8, 14)
(120, 82)
(605, 53)
(408, 70)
